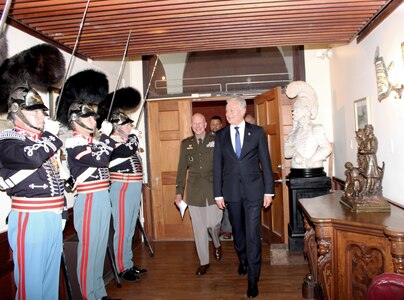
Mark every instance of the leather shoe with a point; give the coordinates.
(252, 290)
(129, 275)
(217, 253)
(138, 271)
(202, 269)
(242, 268)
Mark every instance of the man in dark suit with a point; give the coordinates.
(243, 183)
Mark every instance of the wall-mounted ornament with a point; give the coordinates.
(384, 86)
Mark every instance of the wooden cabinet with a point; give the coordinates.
(345, 250)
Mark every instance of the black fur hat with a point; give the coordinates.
(88, 87)
(125, 99)
(41, 67)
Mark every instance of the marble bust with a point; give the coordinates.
(306, 144)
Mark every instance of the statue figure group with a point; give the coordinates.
(364, 181)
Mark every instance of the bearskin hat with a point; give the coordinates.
(86, 87)
(41, 67)
(125, 99)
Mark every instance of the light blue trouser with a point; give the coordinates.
(125, 202)
(92, 215)
(36, 241)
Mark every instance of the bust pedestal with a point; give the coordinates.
(303, 183)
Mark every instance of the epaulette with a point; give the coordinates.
(11, 134)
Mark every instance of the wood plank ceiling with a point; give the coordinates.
(171, 26)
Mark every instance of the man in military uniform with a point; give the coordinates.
(126, 175)
(30, 176)
(196, 157)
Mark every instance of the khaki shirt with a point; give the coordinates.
(198, 161)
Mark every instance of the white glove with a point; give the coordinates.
(63, 224)
(51, 126)
(106, 127)
(135, 132)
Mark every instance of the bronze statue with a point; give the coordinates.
(363, 184)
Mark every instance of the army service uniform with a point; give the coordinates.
(92, 209)
(37, 202)
(206, 216)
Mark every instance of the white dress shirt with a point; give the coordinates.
(241, 131)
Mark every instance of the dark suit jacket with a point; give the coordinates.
(251, 173)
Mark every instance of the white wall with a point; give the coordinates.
(132, 76)
(353, 77)
(318, 76)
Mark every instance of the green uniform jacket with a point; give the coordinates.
(198, 160)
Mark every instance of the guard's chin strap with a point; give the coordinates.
(78, 121)
(120, 131)
(24, 119)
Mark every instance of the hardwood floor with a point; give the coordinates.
(171, 276)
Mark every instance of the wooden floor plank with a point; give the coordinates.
(171, 276)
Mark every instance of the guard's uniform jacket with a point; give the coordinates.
(84, 152)
(21, 149)
(125, 163)
(37, 201)
(92, 208)
(198, 159)
(126, 188)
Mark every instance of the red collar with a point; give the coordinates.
(29, 134)
(89, 138)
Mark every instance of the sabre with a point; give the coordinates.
(4, 16)
(119, 75)
(146, 94)
(71, 58)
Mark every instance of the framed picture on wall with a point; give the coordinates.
(362, 112)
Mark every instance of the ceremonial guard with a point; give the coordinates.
(29, 172)
(87, 159)
(126, 175)
(31, 178)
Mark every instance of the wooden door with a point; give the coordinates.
(169, 121)
(273, 113)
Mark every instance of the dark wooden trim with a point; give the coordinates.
(7, 286)
(337, 184)
(380, 17)
(299, 71)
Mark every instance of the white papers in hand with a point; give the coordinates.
(183, 206)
